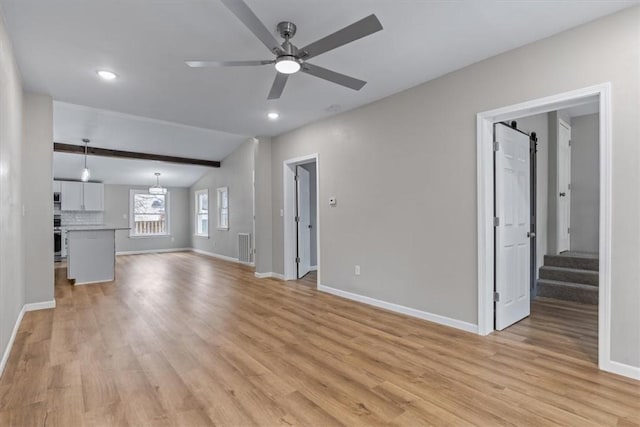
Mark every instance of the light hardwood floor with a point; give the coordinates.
(183, 339)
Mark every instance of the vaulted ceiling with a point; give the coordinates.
(61, 43)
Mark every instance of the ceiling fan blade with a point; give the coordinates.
(202, 64)
(240, 9)
(355, 31)
(278, 86)
(332, 76)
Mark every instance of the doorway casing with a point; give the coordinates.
(599, 93)
(288, 177)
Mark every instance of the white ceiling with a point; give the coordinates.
(61, 43)
(107, 129)
(126, 171)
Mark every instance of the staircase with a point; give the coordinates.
(570, 276)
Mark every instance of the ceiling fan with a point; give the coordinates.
(291, 59)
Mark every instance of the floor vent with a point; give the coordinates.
(244, 247)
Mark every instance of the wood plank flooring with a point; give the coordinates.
(183, 339)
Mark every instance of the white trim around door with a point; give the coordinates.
(288, 174)
(599, 93)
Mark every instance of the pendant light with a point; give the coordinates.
(86, 174)
(157, 189)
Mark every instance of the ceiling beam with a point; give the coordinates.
(60, 147)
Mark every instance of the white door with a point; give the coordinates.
(304, 221)
(513, 256)
(564, 186)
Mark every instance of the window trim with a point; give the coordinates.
(167, 203)
(219, 191)
(197, 193)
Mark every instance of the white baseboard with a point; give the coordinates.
(269, 275)
(44, 305)
(27, 307)
(313, 268)
(7, 351)
(622, 369)
(435, 318)
(219, 256)
(153, 251)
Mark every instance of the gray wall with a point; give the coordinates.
(264, 211)
(116, 212)
(12, 290)
(585, 183)
(418, 149)
(313, 209)
(37, 225)
(236, 172)
(540, 125)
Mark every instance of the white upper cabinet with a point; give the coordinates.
(93, 196)
(71, 196)
(81, 196)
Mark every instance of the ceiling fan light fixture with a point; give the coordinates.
(287, 64)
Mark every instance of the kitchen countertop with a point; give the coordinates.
(93, 227)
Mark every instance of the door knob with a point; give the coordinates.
(563, 194)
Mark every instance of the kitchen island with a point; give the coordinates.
(91, 253)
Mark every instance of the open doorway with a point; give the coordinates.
(544, 159)
(301, 225)
(510, 231)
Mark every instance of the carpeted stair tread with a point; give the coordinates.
(568, 291)
(573, 260)
(571, 275)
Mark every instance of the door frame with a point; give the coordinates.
(289, 225)
(598, 93)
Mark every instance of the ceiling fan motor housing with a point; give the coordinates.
(287, 29)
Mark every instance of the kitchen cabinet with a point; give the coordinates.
(93, 196)
(71, 196)
(81, 196)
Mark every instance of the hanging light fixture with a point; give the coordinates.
(157, 189)
(86, 174)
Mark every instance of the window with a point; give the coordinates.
(149, 214)
(223, 208)
(202, 213)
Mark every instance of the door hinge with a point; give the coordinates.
(496, 297)
(569, 143)
(568, 230)
(496, 146)
(569, 186)
(496, 221)
(297, 219)
(297, 260)
(296, 177)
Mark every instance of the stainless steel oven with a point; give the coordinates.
(57, 242)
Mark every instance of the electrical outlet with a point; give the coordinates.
(357, 270)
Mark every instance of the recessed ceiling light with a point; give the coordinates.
(273, 116)
(107, 75)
